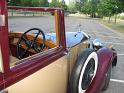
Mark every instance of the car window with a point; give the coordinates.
(30, 33)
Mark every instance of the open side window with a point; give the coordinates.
(31, 33)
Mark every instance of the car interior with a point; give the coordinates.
(26, 44)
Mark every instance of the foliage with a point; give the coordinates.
(78, 6)
(54, 4)
(101, 7)
(94, 4)
(14, 2)
(72, 8)
(109, 7)
(34, 3)
(86, 8)
(89, 7)
(25, 3)
(44, 3)
(57, 4)
(122, 4)
(64, 6)
(92, 7)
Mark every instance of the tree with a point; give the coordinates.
(121, 5)
(94, 4)
(72, 8)
(57, 4)
(86, 8)
(34, 3)
(26, 3)
(89, 7)
(78, 6)
(54, 4)
(14, 2)
(109, 8)
(106, 8)
(43, 3)
(64, 6)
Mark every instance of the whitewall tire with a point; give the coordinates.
(84, 71)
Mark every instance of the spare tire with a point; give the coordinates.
(83, 71)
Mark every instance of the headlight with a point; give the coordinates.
(97, 44)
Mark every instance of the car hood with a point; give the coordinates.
(72, 38)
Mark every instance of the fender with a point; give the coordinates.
(105, 56)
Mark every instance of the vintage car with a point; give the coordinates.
(37, 61)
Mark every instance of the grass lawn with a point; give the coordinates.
(117, 27)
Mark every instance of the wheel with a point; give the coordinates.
(30, 43)
(107, 79)
(83, 71)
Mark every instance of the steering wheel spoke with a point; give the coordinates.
(37, 50)
(27, 42)
(25, 52)
(36, 36)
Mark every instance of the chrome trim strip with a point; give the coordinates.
(2, 20)
(1, 61)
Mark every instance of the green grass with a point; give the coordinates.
(117, 27)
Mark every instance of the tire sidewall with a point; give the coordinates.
(94, 56)
(79, 68)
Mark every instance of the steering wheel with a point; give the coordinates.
(30, 43)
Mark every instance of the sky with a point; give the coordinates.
(66, 1)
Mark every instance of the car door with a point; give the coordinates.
(44, 72)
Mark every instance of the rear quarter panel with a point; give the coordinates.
(74, 52)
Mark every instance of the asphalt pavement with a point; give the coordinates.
(91, 27)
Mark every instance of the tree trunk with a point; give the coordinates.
(115, 18)
(109, 19)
